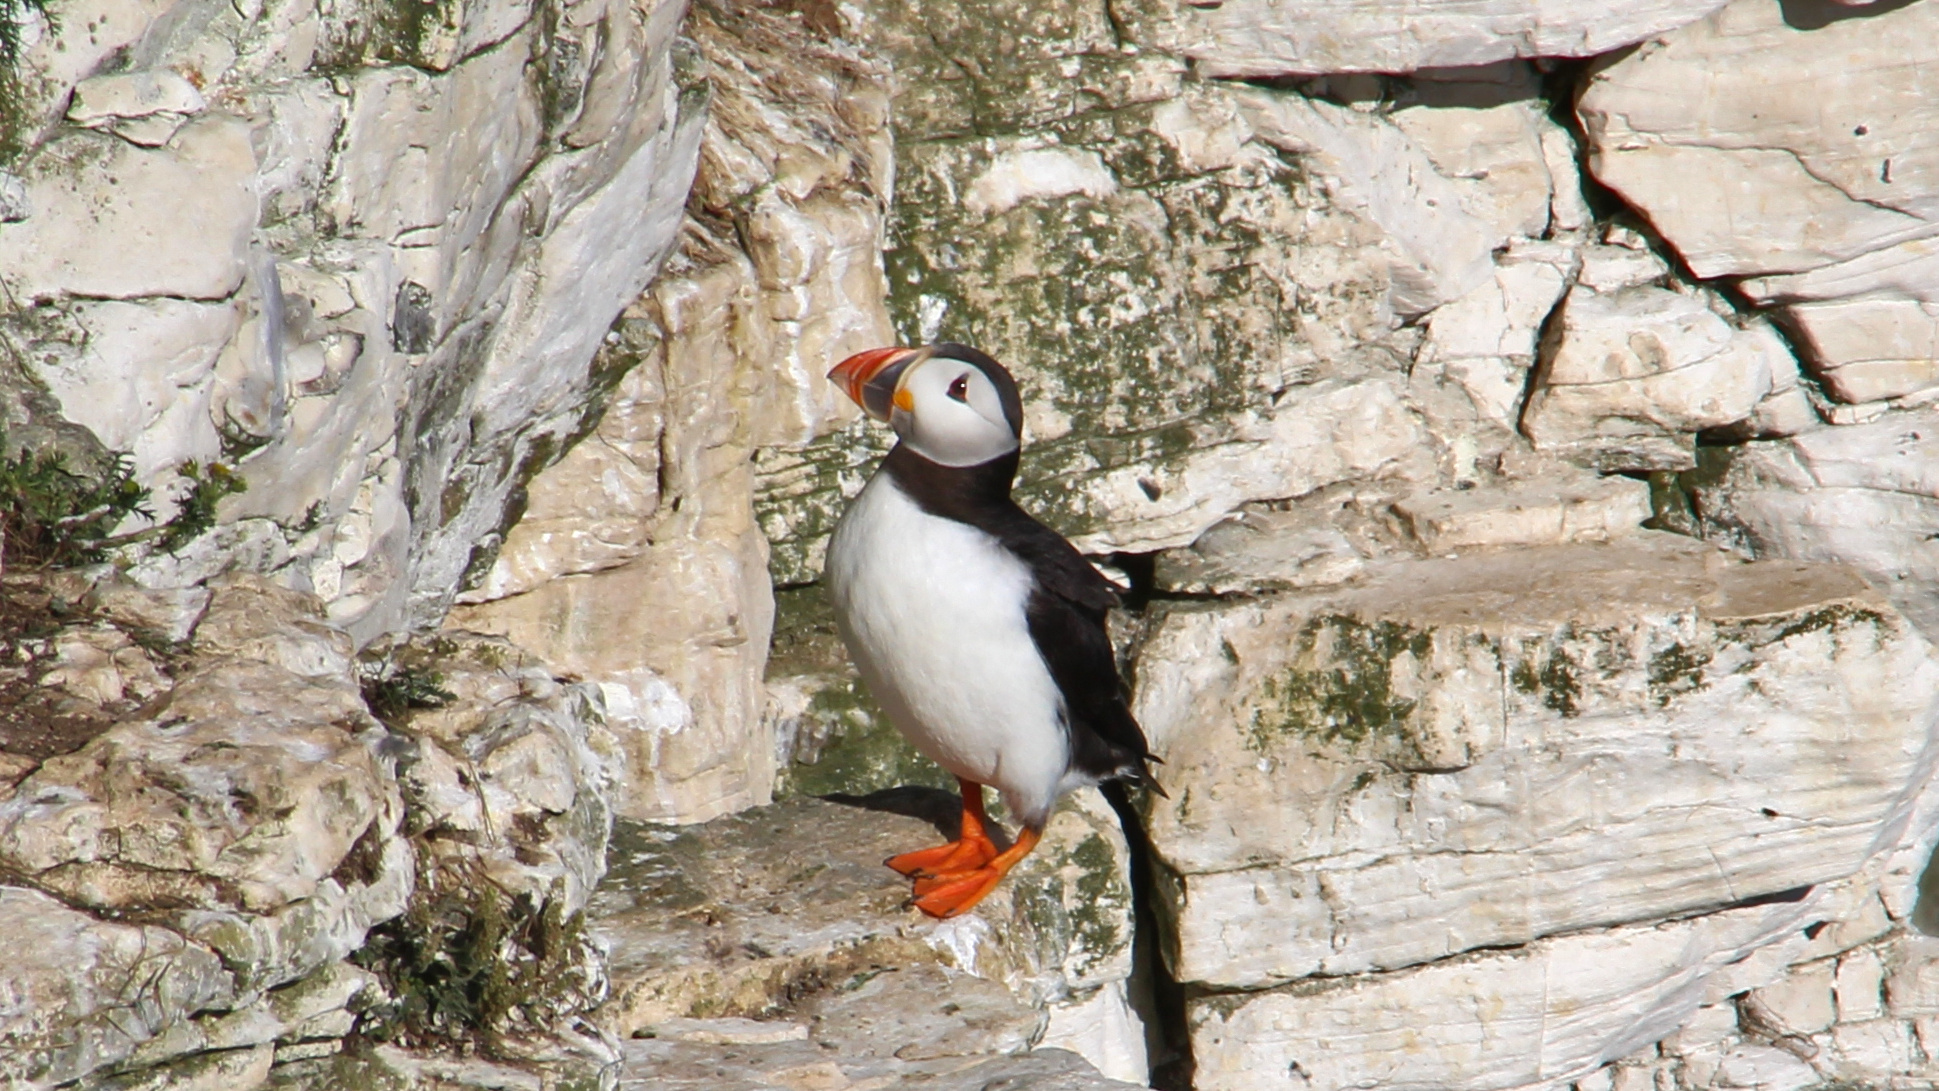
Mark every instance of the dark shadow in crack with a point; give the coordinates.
(1817, 14)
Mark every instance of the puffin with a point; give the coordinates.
(979, 630)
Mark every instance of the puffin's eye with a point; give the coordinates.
(959, 389)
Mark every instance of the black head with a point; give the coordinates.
(950, 403)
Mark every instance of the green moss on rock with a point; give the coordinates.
(1675, 670)
(1340, 691)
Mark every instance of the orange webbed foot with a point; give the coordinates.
(944, 897)
(961, 855)
(948, 894)
(971, 849)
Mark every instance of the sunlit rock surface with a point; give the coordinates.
(222, 874)
(524, 306)
(1513, 745)
(376, 292)
(246, 816)
(640, 566)
(1291, 37)
(1862, 495)
(1826, 199)
(744, 916)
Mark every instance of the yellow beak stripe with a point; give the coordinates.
(905, 401)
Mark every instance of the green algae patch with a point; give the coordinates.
(1341, 691)
(864, 752)
(1675, 670)
(1838, 620)
(1561, 683)
(1103, 898)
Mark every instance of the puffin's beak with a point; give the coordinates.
(869, 378)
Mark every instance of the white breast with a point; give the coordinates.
(933, 612)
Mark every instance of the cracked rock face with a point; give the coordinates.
(640, 566)
(1637, 732)
(1633, 376)
(246, 817)
(1861, 495)
(1826, 202)
(1473, 784)
(743, 916)
(377, 293)
(1263, 38)
(1201, 286)
(186, 888)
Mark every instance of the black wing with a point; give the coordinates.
(1066, 615)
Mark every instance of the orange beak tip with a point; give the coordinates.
(854, 374)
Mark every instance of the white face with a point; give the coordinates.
(950, 413)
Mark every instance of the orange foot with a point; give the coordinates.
(949, 893)
(971, 849)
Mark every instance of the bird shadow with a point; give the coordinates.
(939, 807)
(1817, 14)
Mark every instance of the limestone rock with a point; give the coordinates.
(1260, 38)
(1827, 201)
(1442, 249)
(649, 521)
(1527, 513)
(1475, 740)
(511, 780)
(1239, 251)
(733, 917)
(1262, 551)
(84, 994)
(390, 1066)
(1760, 178)
(1486, 340)
(1038, 64)
(244, 791)
(160, 414)
(134, 94)
(288, 257)
(1632, 375)
(1856, 495)
(656, 1065)
(1869, 350)
(215, 1044)
(187, 206)
(1171, 260)
(1870, 325)
(1537, 1016)
(50, 64)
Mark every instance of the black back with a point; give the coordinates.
(1067, 607)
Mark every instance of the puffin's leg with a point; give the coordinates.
(971, 849)
(946, 895)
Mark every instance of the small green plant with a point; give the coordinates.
(56, 517)
(392, 690)
(467, 961)
(196, 512)
(13, 13)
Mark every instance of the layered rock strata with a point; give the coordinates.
(218, 880)
(1823, 205)
(194, 877)
(639, 564)
(364, 254)
(1572, 761)
(744, 916)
